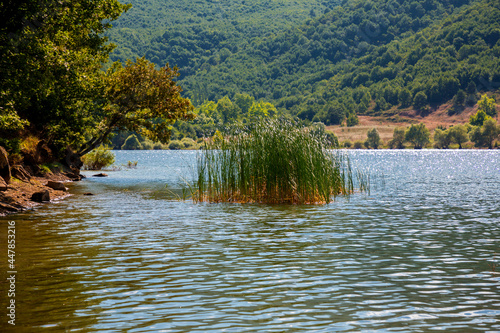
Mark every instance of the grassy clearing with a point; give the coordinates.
(273, 162)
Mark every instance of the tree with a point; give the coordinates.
(404, 97)
(261, 110)
(244, 102)
(373, 139)
(442, 138)
(460, 97)
(484, 136)
(478, 118)
(352, 120)
(51, 54)
(459, 134)
(334, 114)
(490, 131)
(142, 99)
(132, 143)
(227, 109)
(487, 105)
(420, 100)
(398, 139)
(418, 135)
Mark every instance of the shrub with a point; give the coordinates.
(373, 139)
(478, 118)
(98, 159)
(274, 162)
(358, 144)
(147, 144)
(175, 145)
(418, 135)
(398, 139)
(132, 143)
(352, 120)
(159, 146)
(487, 105)
(132, 164)
(188, 143)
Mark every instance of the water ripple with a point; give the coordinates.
(417, 255)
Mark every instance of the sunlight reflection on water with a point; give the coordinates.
(415, 255)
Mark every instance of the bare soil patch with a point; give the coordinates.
(385, 125)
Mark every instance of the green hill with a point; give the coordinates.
(191, 34)
(320, 61)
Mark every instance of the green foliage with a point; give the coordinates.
(358, 144)
(277, 161)
(420, 100)
(132, 164)
(352, 120)
(442, 138)
(373, 139)
(408, 57)
(418, 135)
(132, 143)
(398, 139)
(487, 105)
(332, 139)
(198, 35)
(98, 159)
(175, 145)
(189, 143)
(478, 118)
(141, 99)
(459, 134)
(347, 144)
(325, 68)
(51, 53)
(485, 135)
(460, 97)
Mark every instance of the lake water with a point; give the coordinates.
(417, 254)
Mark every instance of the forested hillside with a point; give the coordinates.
(321, 61)
(200, 34)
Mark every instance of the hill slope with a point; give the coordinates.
(189, 34)
(334, 65)
(366, 57)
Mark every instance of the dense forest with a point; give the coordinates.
(332, 61)
(78, 72)
(194, 34)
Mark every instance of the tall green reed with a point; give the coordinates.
(275, 161)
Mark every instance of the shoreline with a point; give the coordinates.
(18, 197)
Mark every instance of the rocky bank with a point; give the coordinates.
(24, 186)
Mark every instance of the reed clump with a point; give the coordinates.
(274, 162)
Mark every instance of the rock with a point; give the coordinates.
(4, 165)
(41, 196)
(58, 186)
(88, 193)
(100, 175)
(3, 185)
(5, 207)
(21, 174)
